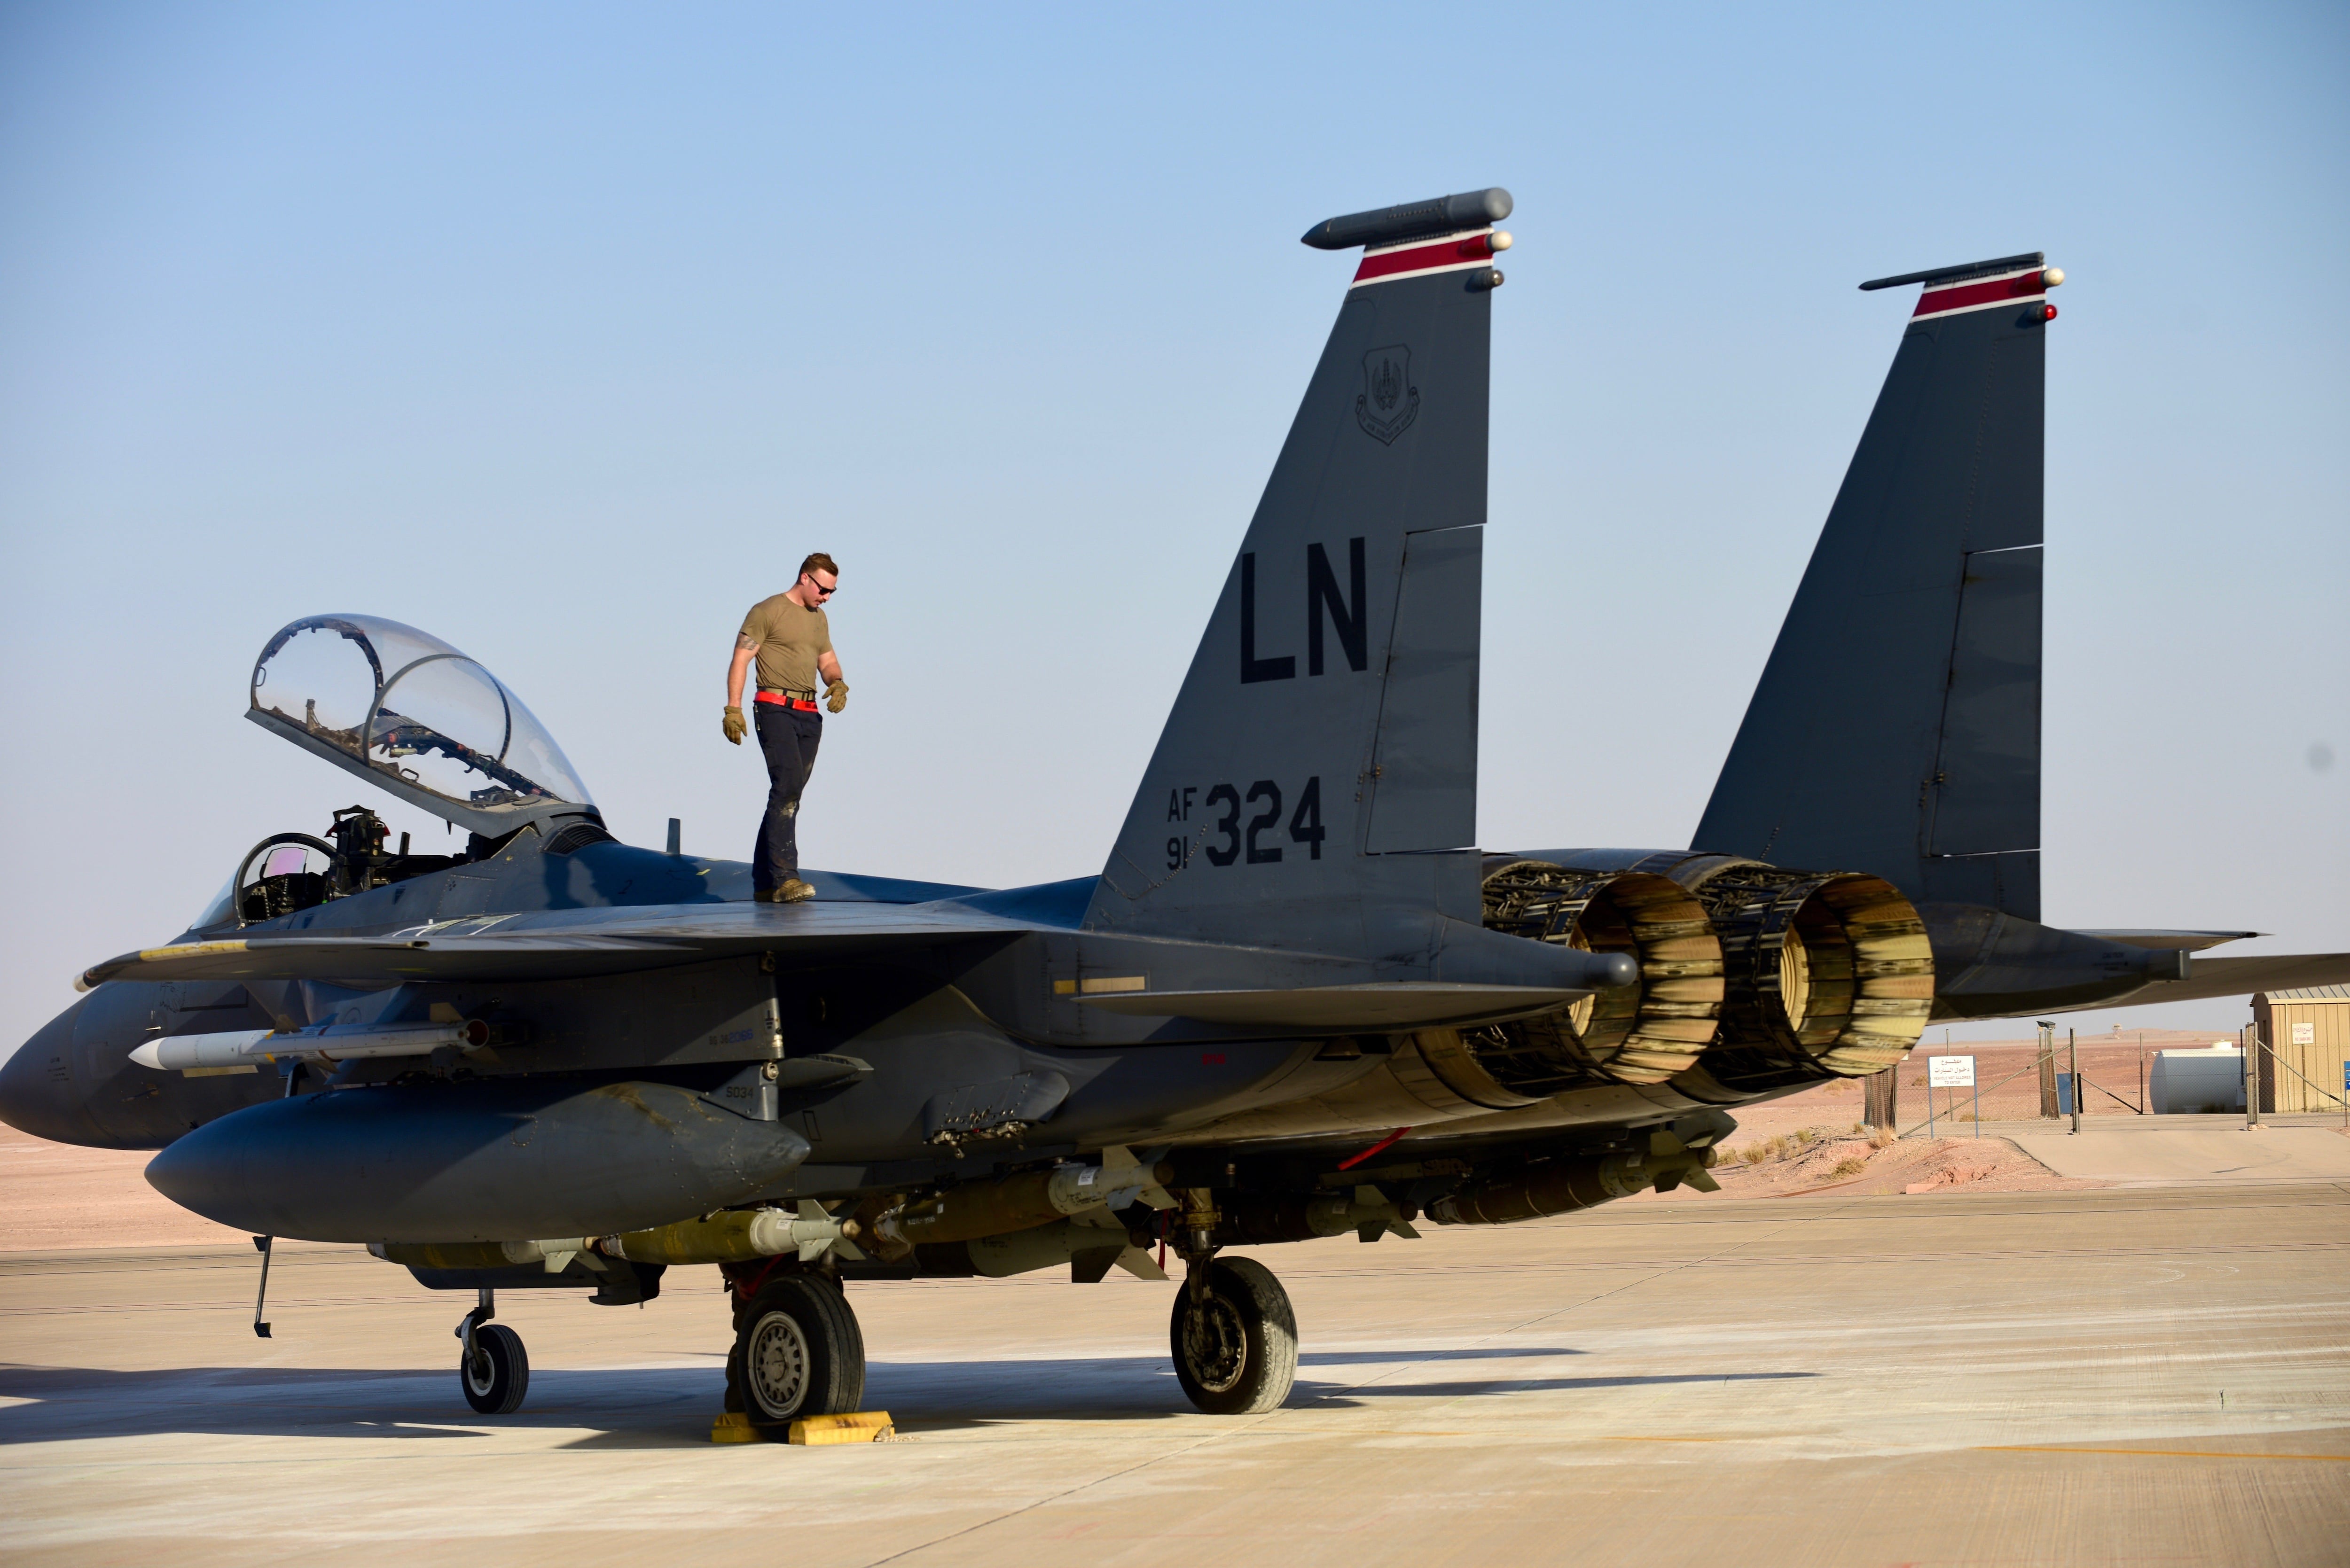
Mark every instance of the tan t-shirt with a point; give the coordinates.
(790, 640)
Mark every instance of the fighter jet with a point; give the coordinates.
(1298, 1002)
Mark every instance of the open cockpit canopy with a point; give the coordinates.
(406, 711)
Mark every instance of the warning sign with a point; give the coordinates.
(1949, 1071)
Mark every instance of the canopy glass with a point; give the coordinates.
(411, 714)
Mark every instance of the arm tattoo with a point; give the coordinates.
(745, 643)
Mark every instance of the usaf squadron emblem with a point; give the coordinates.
(1389, 402)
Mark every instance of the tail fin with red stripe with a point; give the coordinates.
(1321, 758)
(1896, 729)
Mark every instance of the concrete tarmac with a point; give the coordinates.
(2163, 1151)
(2176, 1151)
(2058, 1378)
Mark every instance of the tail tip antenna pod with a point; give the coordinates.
(1414, 219)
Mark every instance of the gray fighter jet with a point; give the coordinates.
(1296, 1003)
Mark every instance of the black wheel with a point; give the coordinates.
(497, 1375)
(798, 1352)
(1236, 1349)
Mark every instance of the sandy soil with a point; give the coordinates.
(1803, 1143)
(1836, 1160)
(58, 1194)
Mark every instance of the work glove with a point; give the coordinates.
(836, 696)
(735, 726)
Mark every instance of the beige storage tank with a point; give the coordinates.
(2208, 1081)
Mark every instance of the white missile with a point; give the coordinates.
(327, 1042)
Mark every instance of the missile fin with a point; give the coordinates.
(1117, 1160)
(1136, 1262)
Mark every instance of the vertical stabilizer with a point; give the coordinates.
(1324, 740)
(1896, 729)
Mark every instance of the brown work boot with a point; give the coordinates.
(793, 891)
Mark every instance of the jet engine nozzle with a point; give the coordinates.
(1827, 972)
(1657, 937)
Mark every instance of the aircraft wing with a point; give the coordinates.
(2208, 978)
(560, 944)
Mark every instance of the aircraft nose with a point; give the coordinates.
(37, 1092)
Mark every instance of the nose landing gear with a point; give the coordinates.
(494, 1370)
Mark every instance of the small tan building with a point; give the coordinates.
(2307, 1039)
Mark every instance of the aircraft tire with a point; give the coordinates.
(798, 1352)
(1235, 1353)
(496, 1381)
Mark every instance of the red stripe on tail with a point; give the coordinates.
(1971, 296)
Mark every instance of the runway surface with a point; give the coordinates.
(2121, 1375)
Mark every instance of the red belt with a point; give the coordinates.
(784, 700)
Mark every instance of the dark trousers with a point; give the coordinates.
(789, 737)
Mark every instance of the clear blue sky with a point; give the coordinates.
(562, 332)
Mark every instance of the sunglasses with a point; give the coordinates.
(819, 587)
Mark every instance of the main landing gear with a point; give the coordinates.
(494, 1370)
(797, 1353)
(1234, 1337)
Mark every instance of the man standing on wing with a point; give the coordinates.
(793, 644)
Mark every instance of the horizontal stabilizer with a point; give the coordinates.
(2174, 942)
(2243, 976)
(1341, 1008)
(2209, 978)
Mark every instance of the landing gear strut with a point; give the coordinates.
(494, 1370)
(797, 1353)
(1233, 1333)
